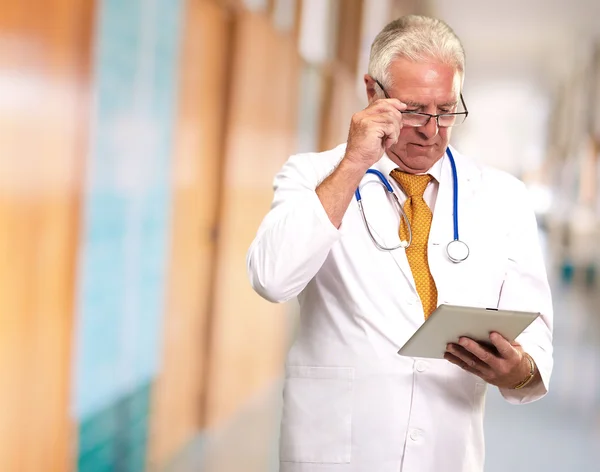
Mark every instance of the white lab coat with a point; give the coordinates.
(351, 403)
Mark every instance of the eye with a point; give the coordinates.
(446, 111)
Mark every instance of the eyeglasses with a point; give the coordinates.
(444, 120)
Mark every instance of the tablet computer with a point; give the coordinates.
(448, 323)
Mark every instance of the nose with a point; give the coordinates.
(430, 130)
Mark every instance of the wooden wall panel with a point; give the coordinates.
(248, 333)
(348, 39)
(340, 99)
(341, 102)
(179, 395)
(44, 82)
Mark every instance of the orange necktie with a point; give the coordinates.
(420, 217)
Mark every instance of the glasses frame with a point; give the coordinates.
(428, 115)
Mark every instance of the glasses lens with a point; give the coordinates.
(451, 120)
(444, 121)
(447, 120)
(414, 119)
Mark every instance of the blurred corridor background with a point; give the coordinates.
(138, 143)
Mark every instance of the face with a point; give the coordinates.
(426, 88)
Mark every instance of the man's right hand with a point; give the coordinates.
(373, 130)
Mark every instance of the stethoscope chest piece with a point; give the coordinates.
(457, 251)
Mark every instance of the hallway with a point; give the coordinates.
(557, 434)
(140, 144)
(562, 431)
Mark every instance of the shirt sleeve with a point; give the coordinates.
(295, 237)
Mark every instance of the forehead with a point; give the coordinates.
(424, 82)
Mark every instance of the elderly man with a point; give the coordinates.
(351, 403)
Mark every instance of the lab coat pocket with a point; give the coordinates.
(316, 425)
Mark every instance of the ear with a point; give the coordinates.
(371, 89)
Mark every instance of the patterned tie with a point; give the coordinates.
(420, 217)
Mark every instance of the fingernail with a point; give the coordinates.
(462, 342)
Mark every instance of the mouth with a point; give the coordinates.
(423, 146)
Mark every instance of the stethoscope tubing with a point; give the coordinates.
(456, 242)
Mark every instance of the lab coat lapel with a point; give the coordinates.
(442, 225)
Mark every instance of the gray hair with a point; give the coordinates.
(416, 38)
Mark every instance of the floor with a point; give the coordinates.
(560, 433)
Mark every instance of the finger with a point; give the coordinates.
(381, 115)
(469, 359)
(505, 349)
(481, 352)
(397, 104)
(390, 132)
(389, 142)
(460, 363)
(385, 104)
(383, 125)
(386, 117)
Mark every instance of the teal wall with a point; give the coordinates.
(115, 438)
(125, 234)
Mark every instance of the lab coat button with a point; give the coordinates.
(414, 435)
(421, 366)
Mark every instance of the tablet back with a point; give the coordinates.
(450, 322)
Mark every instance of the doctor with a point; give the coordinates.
(351, 403)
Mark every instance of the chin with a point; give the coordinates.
(430, 152)
(422, 161)
(419, 163)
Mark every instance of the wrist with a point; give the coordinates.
(354, 161)
(353, 168)
(337, 190)
(529, 372)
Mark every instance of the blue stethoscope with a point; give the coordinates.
(457, 250)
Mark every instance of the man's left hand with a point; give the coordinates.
(505, 366)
